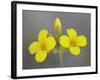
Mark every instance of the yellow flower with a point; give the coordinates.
(73, 42)
(58, 26)
(43, 46)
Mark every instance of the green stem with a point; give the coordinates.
(61, 59)
(59, 51)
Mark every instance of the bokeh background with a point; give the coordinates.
(34, 21)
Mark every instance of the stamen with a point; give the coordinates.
(44, 46)
(73, 42)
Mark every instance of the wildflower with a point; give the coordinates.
(43, 46)
(73, 42)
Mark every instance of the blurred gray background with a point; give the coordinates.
(34, 21)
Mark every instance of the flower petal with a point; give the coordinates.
(75, 50)
(34, 47)
(58, 25)
(72, 33)
(82, 41)
(64, 41)
(50, 43)
(42, 35)
(41, 56)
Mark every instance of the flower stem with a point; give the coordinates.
(61, 59)
(59, 50)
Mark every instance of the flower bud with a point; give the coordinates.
(58, 26)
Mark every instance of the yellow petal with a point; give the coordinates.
(34, 47)
(50, 43)
(72, 33)
(41, 56)
(64, 41)
(42, 35)
(82, 41)
(75, 50)
(58, 26)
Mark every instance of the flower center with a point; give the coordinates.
(73, 42)
(44, 46)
